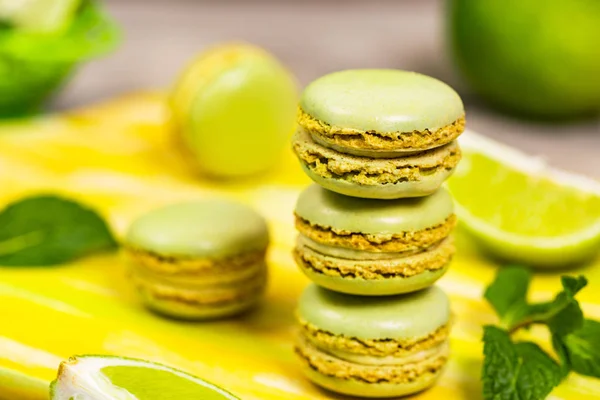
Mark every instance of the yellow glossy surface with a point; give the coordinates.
(119, 158)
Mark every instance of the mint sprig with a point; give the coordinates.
(522, 370)
(49, 230)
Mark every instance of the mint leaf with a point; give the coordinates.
(563, 315)
(508, 294)
(567, 320)
(572, 285)
(580, 350)
(523, 371)
(49, 230)
(516, 371)
(561, 351)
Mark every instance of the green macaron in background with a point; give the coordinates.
(373, 247)
(373, 346)
(233, 109)
(383, 134)
(196, 260)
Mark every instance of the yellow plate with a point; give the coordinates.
(118, 157)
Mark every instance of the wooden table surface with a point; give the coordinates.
(312, 38)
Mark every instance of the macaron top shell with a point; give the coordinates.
(213, 228)
(329, 209)
(382, 100)
(407, 316)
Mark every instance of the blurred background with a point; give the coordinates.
(316, 37)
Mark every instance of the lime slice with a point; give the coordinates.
(117, 378)
(522, 210)
(38, 15)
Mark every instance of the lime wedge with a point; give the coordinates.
(522, 210)
(117, 378)
(38, 15)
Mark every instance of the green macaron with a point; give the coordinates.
(373, 247)
(232, 110)
(201, 259)
(373, 346)
(379, 133)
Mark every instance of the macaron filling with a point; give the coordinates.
(376, 144)
(411, 358)
(383, 242)
(347, 253)
(330, 164)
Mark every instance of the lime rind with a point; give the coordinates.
(82, 377)
(547, 251)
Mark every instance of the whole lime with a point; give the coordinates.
(234, 110)
(539, 58)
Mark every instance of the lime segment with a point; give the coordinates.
(154, 384)
(522, 210)
(103, 377)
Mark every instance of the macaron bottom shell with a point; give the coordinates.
(184, 311)
(370, 390)
(413, 175)
(388, 191)
(379, 287)
(208, 298)
(371, 376)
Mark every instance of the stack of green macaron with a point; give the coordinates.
(199, 260)
(375, 233)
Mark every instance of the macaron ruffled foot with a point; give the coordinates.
(199, 260)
